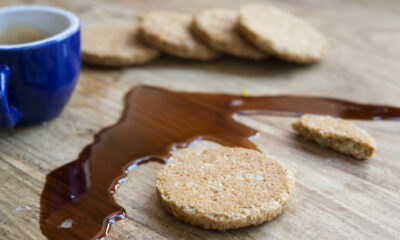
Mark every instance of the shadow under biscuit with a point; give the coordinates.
(324, 153)
(167, 224)
(271, 67)
(232, 66)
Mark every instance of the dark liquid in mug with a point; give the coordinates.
(77, 201)
(20, 33)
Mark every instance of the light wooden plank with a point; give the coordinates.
(336, 197)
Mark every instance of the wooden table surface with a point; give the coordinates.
(336, 197)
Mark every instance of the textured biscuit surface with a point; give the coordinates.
(338, 134)
(218, 29)
(170, 32)
(224, 188)
(281, 33)
(115, 45)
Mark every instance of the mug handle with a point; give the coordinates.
(9, 116)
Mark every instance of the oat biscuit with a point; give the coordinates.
(170, 32)
(282, 34)
(337, 134)
(115, 45)
(218, 28)
(224, 188)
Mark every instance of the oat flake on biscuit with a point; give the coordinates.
(218, 28)
(170, 32)
(281, 34)
(338, 134)
(224, 188)
(115, 44)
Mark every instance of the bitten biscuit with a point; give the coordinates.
(281, 34)
(218, 29)
(115, 45)
(225, 188)
(170, 32)
(337, 134)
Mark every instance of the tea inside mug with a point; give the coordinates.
(22, 25)
(21, 33)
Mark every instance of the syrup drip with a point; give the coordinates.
(77, 201)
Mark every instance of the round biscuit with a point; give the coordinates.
(115, 45)
(170, 33)
(225, 188)
(281, 34)
(218, 28)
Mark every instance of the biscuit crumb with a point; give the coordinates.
(224, 188)
(337, 134)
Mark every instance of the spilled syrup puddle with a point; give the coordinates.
(77, 201)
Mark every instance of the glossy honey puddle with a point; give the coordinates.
(77, 201)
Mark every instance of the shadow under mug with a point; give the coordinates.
(37, 78)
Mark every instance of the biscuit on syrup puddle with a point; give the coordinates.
(170, 33)
(281, 34)
(224, 188)
(337, 134)
(218, 29)
(115, 45)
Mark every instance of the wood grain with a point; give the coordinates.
(336, 197)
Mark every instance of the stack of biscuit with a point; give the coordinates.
(254, 32)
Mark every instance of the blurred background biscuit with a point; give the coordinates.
(281, 34)
(170, 33)
(115, 45)
(218, 28)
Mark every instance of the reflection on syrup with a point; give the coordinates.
(154, 122)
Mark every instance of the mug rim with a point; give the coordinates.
(74, 26)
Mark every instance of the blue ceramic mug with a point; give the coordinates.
(38, 77)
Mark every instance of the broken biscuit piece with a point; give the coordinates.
(337, 134)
